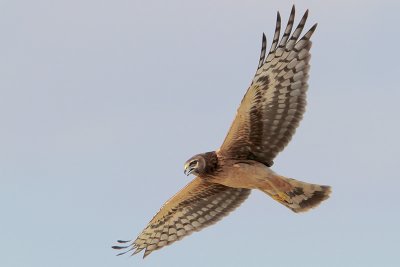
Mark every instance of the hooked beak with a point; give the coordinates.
(188, 170)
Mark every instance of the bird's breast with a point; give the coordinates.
(241, 174)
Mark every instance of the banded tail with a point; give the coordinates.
(296, 195)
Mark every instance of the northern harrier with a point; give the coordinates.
(265, 122)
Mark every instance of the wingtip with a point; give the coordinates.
(119, 247)
(123, 241)
(304, 18)
(293, 10)
(146, 253)
(124, 252)
(306, 14)
(314, 27)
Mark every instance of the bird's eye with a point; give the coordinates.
(194, 162)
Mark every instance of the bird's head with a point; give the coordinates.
(195, 165)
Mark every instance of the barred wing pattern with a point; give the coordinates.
(196, 206)
(275, 101)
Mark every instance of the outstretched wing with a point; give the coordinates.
(194, 207)
(275, 102)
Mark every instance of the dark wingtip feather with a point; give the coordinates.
(123, 241)
(314, 27)
(263, 51)
(264, 41)
(119, 247)
(293, 10)
(310, 32)
(304, 18)
(123, 247)
(122, 253)
(277, 33)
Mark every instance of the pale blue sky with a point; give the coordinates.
(101, 103)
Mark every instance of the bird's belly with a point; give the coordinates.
(243, 174)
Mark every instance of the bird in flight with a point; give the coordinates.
(264, 124)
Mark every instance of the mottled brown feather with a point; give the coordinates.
(275, 101)
(194, 207)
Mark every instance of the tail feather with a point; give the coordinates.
(296, 195)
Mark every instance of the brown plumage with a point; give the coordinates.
(275, 102)
(264, 124)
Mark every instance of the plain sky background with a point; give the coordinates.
(101, 103)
